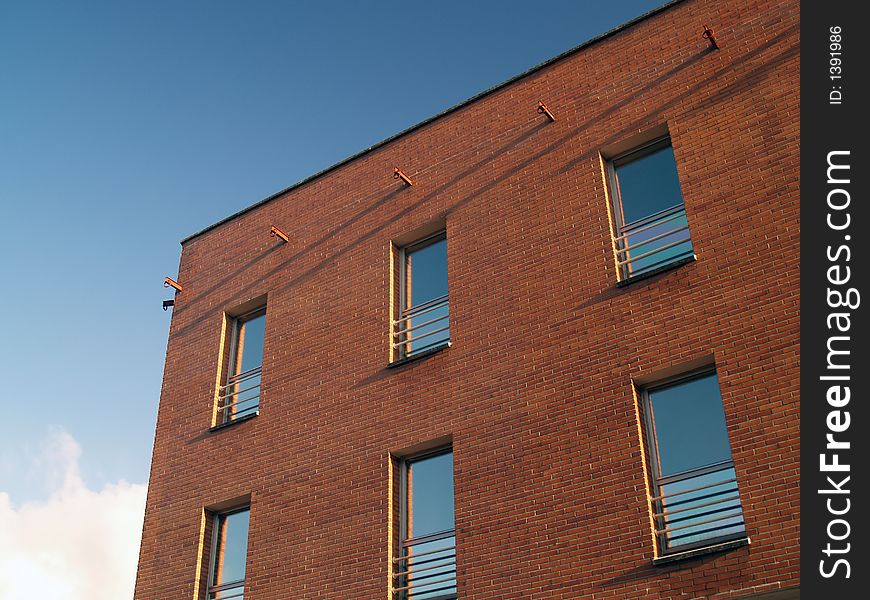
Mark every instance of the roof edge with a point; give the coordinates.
(454, 108)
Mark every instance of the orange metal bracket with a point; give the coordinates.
(710, 37)
(398, 174)
(542, 109)
(169, 282)
(275, 232)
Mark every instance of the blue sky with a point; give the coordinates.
(127, 126)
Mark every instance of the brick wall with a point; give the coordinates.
(551, 491)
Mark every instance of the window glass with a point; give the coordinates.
(690, 425)
(231, 548)
(648, 184)
(427, 271)
(251, 336)
(430, 487)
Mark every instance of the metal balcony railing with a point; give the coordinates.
(654, 241)
(240, 396)
(698, 508)
(422, 327)
(427, 568)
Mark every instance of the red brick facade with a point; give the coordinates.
(538, 390)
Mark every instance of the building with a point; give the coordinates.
(520, 350)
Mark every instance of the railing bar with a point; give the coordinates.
(405, 331)
(437, 300)
(408, 587)
(420, 337)
(653, 239)
(628, 231)
(428, 552)
(656, 218)
(722, 518)
(451, 595)
(704, 513)
(429, 537)
(417, 311)
(416, 580)
(428, 560)
(238, 413)
(239, 381)
(228, 586)
(677, 503)
(667, 513)
(637, 271)
(404, 558)
(451, 562)
(246, 373)
(707, 530)
(238, 401)
(697, 489)
(656, 251)
(230, 395)
(242, 409)
(696, 472)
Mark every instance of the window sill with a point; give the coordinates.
(424, 354)
(658, 271)
(220, 426)
(696, 552)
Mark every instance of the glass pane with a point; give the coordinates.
(231, 548)
(250, 343)
(648, 184)
(430, 489)
(689, 425)
(427, 273)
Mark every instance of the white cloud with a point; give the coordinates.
(79, 544)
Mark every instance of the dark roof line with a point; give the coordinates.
(437, 116)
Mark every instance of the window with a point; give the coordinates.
(424, 314)
(651, 227)
(426, 566)
(696, 501)
(227, 555)
(239, 396)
